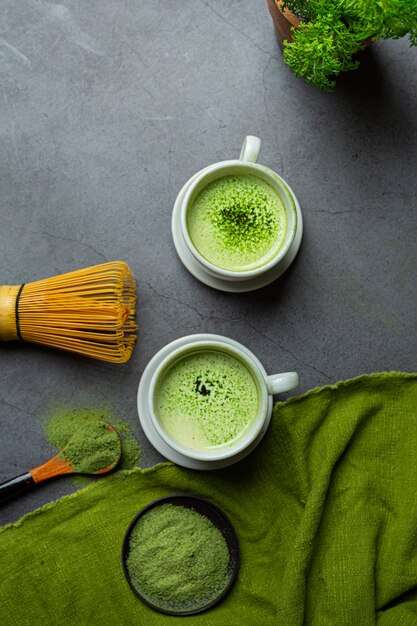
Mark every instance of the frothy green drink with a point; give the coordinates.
(237, 222)
(207, 399)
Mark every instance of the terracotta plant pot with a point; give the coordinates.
(283, 20)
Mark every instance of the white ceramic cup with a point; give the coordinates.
(266, 387)
(245, 165)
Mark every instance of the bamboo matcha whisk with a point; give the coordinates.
(89, 311)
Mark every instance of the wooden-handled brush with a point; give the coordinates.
(89, 311)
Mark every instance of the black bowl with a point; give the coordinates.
(217, 518)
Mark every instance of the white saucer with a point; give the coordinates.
(225, 285)
(149, 428)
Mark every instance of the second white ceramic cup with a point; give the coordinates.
(266, 387)
(245, 165)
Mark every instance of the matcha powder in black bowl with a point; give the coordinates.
(180, 555)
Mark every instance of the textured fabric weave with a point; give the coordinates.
(325, 509)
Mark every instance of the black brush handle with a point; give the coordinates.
(15, 486)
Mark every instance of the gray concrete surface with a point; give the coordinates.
(108, 106)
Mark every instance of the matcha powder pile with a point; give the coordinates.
(83, 433)
(178, 560)
(92, 448)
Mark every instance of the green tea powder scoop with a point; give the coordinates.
(93, 449)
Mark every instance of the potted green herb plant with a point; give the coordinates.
(320, 38)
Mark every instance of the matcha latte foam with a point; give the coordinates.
(207, 399)
(237, 222)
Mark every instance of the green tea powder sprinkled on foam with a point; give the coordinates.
(91, 448)
(177, 558)
(206, 399)
(237, 222)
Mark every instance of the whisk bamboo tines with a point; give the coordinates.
(89, 311)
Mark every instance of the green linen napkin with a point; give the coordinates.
(325, 510)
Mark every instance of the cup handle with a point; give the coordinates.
(250, 149)
(278, 383)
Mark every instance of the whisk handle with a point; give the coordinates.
(15, 486)
(8, 307)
